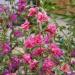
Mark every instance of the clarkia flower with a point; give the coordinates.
(38, 51)
(2, 8)
(73, 53)
(27, 58)
(29, 42)
(13, 17)
(53, 45)
(65, 68)
(52, 28)
(46, 39)
(9, 73)
(18, 33)
(33, 40)
(33, 65)
(25, 25)
(42, 17)
(22, 5)
(13, 64)
(6, 48)
(32, 11)
(6, 72)
(13, 74)
(57, 52)
(38, 39)
(48, 64)
(15, 60)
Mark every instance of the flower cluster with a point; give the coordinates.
(28, 43)
(22, 5)
(28, 60)
(56, 50)
(48, 65)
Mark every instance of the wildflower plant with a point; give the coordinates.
(27, 42)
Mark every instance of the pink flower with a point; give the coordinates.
(46, 39)
(53, 45)
(18, 33)
(42, 17)
(52, 29)
(13, 64)
(25, 25)
(13, 17)
(13, 74)
(33, 65)
(73, 53)
(2, 8)
(32, 11)
(10, 74)
(38, 39)
(29, 42)
(48, 64)
(65, 68)
(33, 40)
(6, 48)
(38, 52)
(27, 58)
(22, 5)
(56, 50)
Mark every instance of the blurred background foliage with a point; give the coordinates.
(60, 7)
